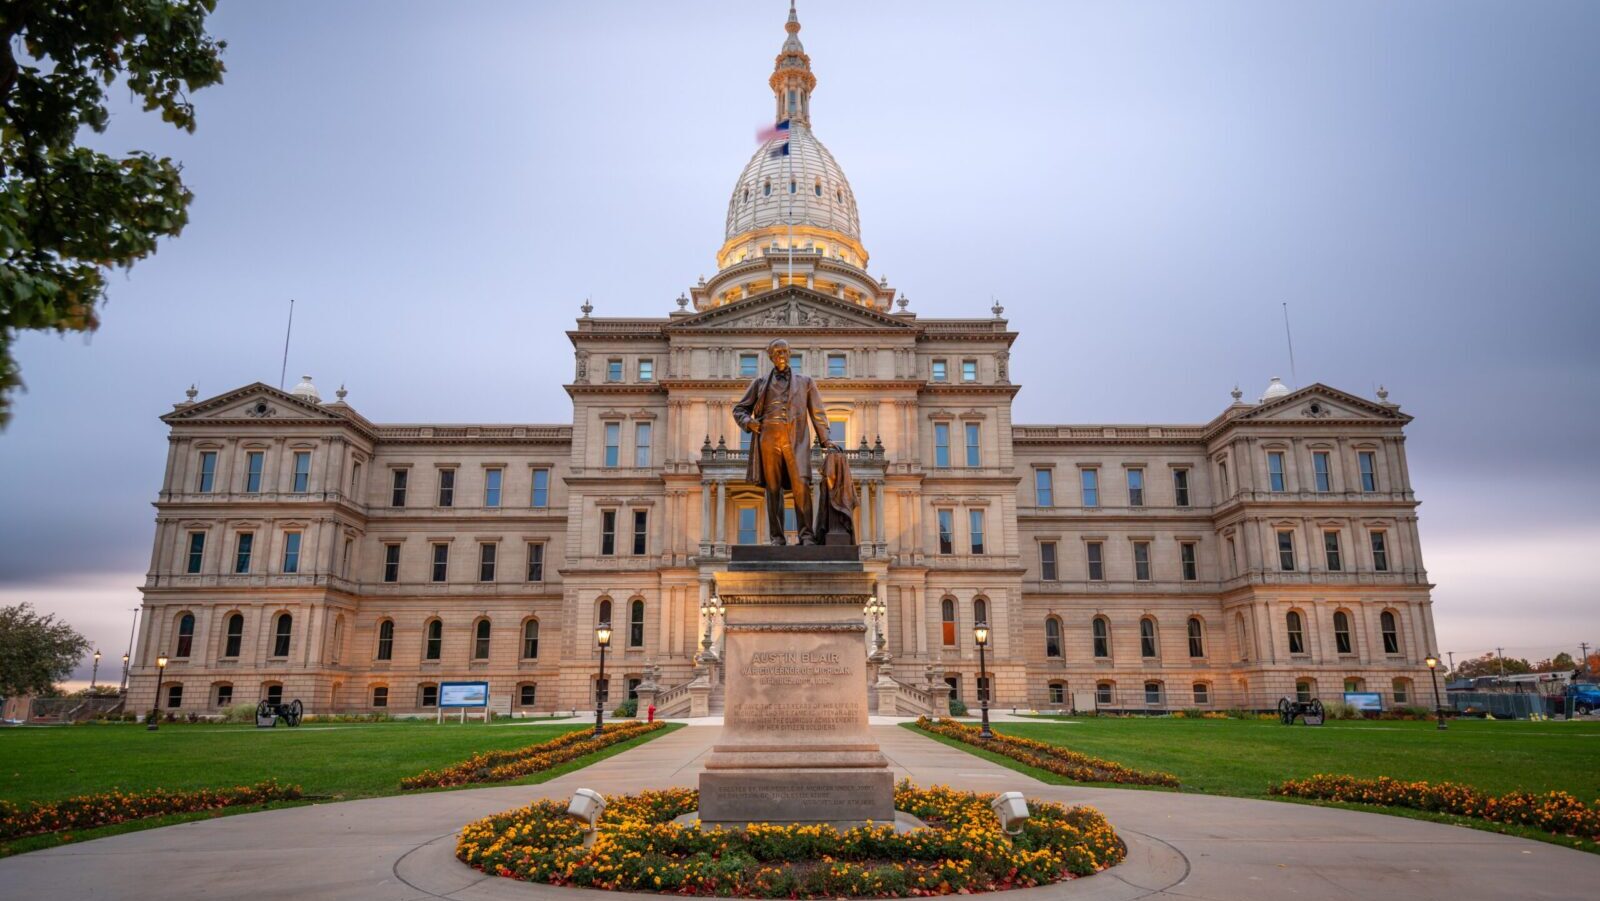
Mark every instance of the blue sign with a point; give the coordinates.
(1364, 701)
(463, 694)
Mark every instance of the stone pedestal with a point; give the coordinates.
(795, 746)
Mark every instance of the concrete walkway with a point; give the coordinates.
(1180, 846)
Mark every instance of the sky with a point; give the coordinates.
(1142, 185)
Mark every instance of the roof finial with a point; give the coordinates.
(792, 81)
(1236, 393)
(587, 308)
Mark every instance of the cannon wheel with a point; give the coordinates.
(265, 709)
(292, 714)
(1316, 709)
(1285, 712)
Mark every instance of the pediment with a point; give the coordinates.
(256, 402)
(789, 309)
(1318, 402)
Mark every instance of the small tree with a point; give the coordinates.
(1491, 665)
(36, 651)
(1560, 663)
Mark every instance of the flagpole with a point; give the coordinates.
(789, 147)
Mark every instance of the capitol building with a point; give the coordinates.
(300, 550)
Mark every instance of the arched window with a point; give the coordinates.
(1341, 632)
(980, 611)
(636, 623)
(1197, 637)
(1104, 692)
(1058, 693)
(386, 640)
(272, 692)
(1052, 637)
(530, 639)
(281, 636)
(234, 637)
(603, 615)
(766, 188)
(433, 640)
(1297, 632)
(1147, 638)
(1303, 690)
(185, 635)
(819, 187)
(1152, 693)
(380, 696)
(480, 640)
(947, 615)
(1202, 692)
(222, 694)
(1102, 637)
(792, 186)
(1391, 632)
(428, 695)
(746, 195)
(838, 195)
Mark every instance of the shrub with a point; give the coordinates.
(90, 811)
(503, 766)
(240, 713)
(1062, 762)
(1339, 710)
(1556, 812)
(958, 707)
(628, 708)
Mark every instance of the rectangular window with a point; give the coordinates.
(291, 552)
(614, 370)
(1202, 693)
(1058, 692)
(1286, 551)
(940, 371)
(1152, 693)
(1275, 471)
(541, 488)
(974, 451)
(744, 440)
(947, 532)
(1222, 470)
(1330, 546)
(526, 694)
(391, 563)
(641, 445)
(1380, 552)
(797, 362)
(647, 370)
(1136, 488)
(1044, 487)
(1191, 568)
(197, 552)
(243, 546)
(1047, 561)
(975, 526)
(1180, 487)
(302, 472)
(1233, 557)
(441, 562)
(641, 532)
(486, 556)
(613, 444)
(224, 695)
(836, 431)
(535, 561)
(746, 525)
(491, 487)
(1321, 467)
(447, 488)
(1141, 561)
(254, 463)
(380, 696)
(208, 471)
(1102, 692)
(836, 366)
(1369, 470)
(969, 370)
(429, 696)
(1097, 564)
(608, 532)
(397, 487)
(790, 524)
(174, 695)
(747, 366)
(1091, 487)
(941, 444)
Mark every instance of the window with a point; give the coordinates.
(1320, 469)
(224, 695)
(608, 533)
(641, 444)
(208, 471)
(233, 639)
(447, 488)
(1058, 693)
(1147, 638)
(1341, 633)
(1302, 691)
(1186, 557)
(836, 366)
(428, 696)
(818, 187)
(974, 453)
(1101, 631)
(636, 623)
(1136, 488)
(1152, 693)
(1095, 552)
(526, 693)
(487, 551)
(747, 366)
(185, 635)
(603, 615)
(980, 610)
(1202, 693)
(1222, 472)
(766, 188)
(1052, 637)
(274, 693)
(1275, 470)
(797, 362)
(1369, 470)
(174, 695)
(941, 444)
(397, 487)
(433, 640)
(1330, 548)
(302, 472)
(954, 684)
(746, 525)
(1141, 561)
(1047, 561)
(380, 696)
(1242, 636)
(541, 488)
(1391, 632)
(836, 431)
(1180, 487)
(480, 640)
(940, 371)
(602, 690)
(441, 562)
(1233, 557)
(614, 370)
(1091, 487)
(491, 487)
(969, 370)
(291, 552)
(983, 689)
(641, 531)
(744, 440)
(1380, 552)
(1297, 634)
(1102, 692)
(1402, 691)
(242, 548)
(254, 463)
(530, 639)
(281, 635)
(1197, 638)
(790, 524)
(535, 561)
(975, 527)
(386, 640)
(391, 563)
(1286, 551)
(197, 552)
(355, 480)
(1044, 487)
(613, 445)
(1354, 684)
(947, 622)
(947, 530)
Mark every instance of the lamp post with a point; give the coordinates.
(1438, 708)
(153, 721)
(711, 609)
(980, 634)
(602, 635)
(876, 609)
(94, 674)
(122, 688)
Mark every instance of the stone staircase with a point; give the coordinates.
(706, 695)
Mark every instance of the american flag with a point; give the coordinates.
(780, 130)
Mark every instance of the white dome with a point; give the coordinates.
(1275, 389)
(307, 390)
(821, 197)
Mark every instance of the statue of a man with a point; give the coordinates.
(779, 411)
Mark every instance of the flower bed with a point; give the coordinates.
(1062, 762)
(502, 766)
(638, 847)
(89, 811)
(1555, 812)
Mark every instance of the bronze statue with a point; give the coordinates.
(779, 411)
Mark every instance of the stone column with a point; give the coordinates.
(878, 487)
(722, 513)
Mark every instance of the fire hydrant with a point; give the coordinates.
(650, 713)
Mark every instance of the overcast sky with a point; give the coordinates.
(1141, 185)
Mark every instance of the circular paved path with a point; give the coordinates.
(1180, 846)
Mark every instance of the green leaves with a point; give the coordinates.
(36, 651)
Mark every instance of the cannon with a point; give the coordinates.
(268, 713)
(1310, 712)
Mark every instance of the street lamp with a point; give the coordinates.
(980, 634)
(1433, 670)
(153, 721)
(876, 609)
(710, 609)
(123, 688)
(94, 674)
(602, 635)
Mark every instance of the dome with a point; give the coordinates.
(306, 390)
(1275, 389)
(821, 197)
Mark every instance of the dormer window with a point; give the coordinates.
(792, 186)
(766, 188)
(819, 187)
